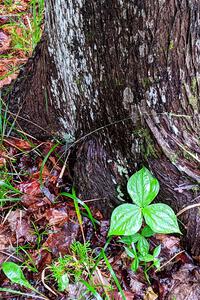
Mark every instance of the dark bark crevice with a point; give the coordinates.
(31, 93)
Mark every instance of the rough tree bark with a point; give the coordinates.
(125, 76)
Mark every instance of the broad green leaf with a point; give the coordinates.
(135, 265)
(15, 274)
(147, 231)
(143, 187)
(63, 282)
(126, 219)
(156, 263)
(128, 240)
(129, 252)
(146, 257)
(156, 251)
(161, 218)
(143, 246)
(134, 249)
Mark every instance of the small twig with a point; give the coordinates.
(25, 133)
(25, 294)
(45, 285)
(29, 121)
(170, 114)
(6, 217)
(195, 157)
(29, 23)
(165, 264)
(7, 207)
(6, 156)
(102, 281)
(188, 208)
(95, 199)
(31, 150)
(63, 169)
(11, 255)
(187, 187)
(97, 130)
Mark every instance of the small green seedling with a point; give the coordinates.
(138, 248)
(73, 267)
(76, 267)
(127, 220)
(15, 274)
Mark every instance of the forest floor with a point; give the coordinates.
(52, 244)
(20, 31)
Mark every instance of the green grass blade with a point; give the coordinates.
(100, 255)
(45, 160)
(92, 290)
(8, 186)
(9, 199)
(75, 198)
(113, 275)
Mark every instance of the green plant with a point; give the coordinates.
(45, 160)
(138, 248)
(141, 255)
(6, 126)
(12, 70)
(113, 275)
(8, 192)
(8, 2)
(3, 120)
(26, 37)
(77, 202)
(76, 267)
(39, 234)
(29, 263)
(15, 274)
(73, 267)
(127, 219)
(38, 12)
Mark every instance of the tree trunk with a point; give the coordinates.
(119, 81)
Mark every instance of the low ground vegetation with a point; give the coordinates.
(54, 245)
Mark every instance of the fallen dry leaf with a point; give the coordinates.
(42, 258)
(48, 194)
(169, 242)
(117, 295)
(60, 241)
(18, 143)
(184, 284)
(56, 217)
(6, 241)
(31, 188)
(2, 161)
(5, 41)
(20, 225)
(150, 294)
(20, 5)
(3, 20)
(33, 203)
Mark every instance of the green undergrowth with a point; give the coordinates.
(86, 265)
(82, 265)
(25, 30)
(73, 267)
